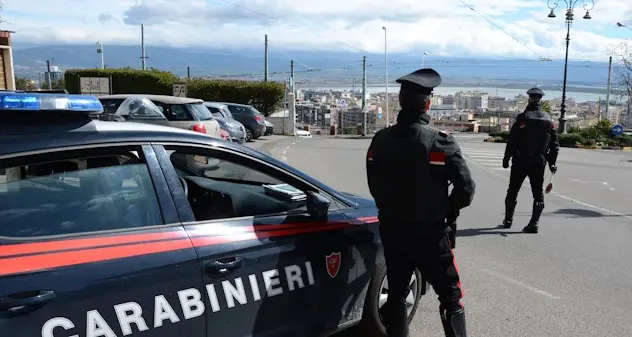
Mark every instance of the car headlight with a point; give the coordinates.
(234, 127)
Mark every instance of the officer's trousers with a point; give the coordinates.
(409, 247)
(527, 167)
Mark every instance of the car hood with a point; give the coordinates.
(361, 201)
(228, 121)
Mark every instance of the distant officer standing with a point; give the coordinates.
(409, 168)
(532, 143)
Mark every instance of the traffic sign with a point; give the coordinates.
(180, 89)
(617, 130)
(379, 116)
(342, 103)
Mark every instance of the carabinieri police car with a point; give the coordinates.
(111, 229)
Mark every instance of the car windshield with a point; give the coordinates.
(139, 108)
(226, 112)
(200, 111)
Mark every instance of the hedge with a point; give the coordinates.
(264, 96)
(599, 134)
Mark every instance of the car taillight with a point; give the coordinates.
(259, 118)
(199, 128)
(223, 134)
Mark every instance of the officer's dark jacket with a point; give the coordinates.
(533, 136)
(409, 167)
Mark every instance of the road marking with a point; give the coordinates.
(521, 284)
(605, 210)
(593, 182)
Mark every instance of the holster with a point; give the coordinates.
(452, 234)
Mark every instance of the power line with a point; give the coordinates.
(292, 25)
(499, 27)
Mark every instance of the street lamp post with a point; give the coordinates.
(423, 58)
(386, 74)
(100, 51)
(570, 6)
(619, 24)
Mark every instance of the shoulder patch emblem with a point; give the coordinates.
(369, 155)
(437, 158)
(522, 124)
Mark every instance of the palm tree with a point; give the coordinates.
(546, 107)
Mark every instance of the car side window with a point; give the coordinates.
(219, 186)
(238, 110)
(56, 195)
(111, 105)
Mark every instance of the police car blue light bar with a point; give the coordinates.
(49, 102)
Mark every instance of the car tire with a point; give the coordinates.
(249, 134)
(372, 324)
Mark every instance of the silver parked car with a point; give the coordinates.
(181, 112)
(235, 129)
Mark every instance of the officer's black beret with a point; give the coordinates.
(421, 81)
(535, 92)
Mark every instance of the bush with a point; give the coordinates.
(126, 80)
(264, 96)
(570, 139)
(500, 135)
(624, 140)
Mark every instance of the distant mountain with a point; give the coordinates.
(310, 66)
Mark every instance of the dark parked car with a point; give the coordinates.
(236, 130)
(269, 128)
(251, 118)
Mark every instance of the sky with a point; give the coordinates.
(487, 28)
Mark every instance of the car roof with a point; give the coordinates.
(160, 98)
(214, 104)
(237, 104)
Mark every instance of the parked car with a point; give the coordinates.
(181, 112)
(134, 109)
(269, 128)
(251, 118)
(235, 129)
(302, 133)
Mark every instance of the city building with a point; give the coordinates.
(7, 75)
(496, 103)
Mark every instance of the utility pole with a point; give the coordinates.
(292, 76)
(265, 78)
(608, 92)
(364, 112)
(50, 85)
(188, 73)
(142, 46)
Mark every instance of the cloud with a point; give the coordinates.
(446, 27)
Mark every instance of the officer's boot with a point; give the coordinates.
(510, 207)
(532, 227)
(454, 323)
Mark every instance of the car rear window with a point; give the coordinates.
(200, 111)
(75, 196)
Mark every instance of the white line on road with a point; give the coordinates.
(521, 284)
(605, 210)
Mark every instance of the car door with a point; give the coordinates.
(91, 245)
(270, 266)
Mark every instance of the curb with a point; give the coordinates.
(583, 147)
(350, 137)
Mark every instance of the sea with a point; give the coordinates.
(502, 92)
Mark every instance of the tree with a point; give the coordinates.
(22, 83)
(622, 68)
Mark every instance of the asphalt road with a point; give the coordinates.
(572, 279)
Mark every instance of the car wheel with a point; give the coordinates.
(248, 134)
(372, 324)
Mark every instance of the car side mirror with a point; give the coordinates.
(317, 206)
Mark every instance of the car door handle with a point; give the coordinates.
(224, 266)
(13, 301)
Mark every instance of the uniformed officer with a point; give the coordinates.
(532, 143)
(409, 167)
